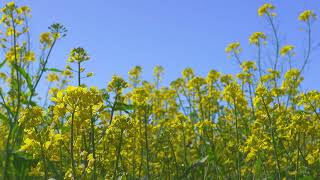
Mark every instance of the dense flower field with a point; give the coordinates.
(257, 124)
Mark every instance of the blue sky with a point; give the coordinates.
(120, 34)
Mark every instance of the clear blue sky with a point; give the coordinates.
(119, 34)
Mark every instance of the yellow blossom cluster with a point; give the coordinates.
(257, 37)
(257, 124)
(307, 15)
(266, 9)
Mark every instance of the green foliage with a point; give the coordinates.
(257, 124)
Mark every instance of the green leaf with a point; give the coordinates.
(26, 102)
(307, 178)
(123, 107)
(53, 70)
(201, 161)
(22, 162)
(194, 165)
(3, 117)
(2, 63)
(25, 75)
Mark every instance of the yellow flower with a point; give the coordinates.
(226, 78)
(196, 83)
(53, 91)
(188, 73)
(25, 9)
(256, 37)
(89, 74)
(306, 15)
(140, 96)
(311, 159)
(67, 72)
(10, 31)
(29, 56)
(27, 144)
(117, 84)
(45, 38)
(31, 116)
(266, 9)
(158, 71)
(79, 55)
(52, 77)
(10, 5)
(213, 76)
(233, 47)
(3, 76)
(11, 56)
(134, 75)
(136, 71)
(74, 98)
(286, 49)
(248, 65)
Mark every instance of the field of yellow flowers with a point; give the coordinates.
(257, 124)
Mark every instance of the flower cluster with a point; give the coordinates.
(257, 37)
(307, 15)
(266, 9)
(256, 124)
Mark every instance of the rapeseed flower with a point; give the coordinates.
(307, 15)
(257, 37)
(287, 49)
(266, 9)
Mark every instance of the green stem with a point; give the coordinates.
(276, 38)
(93, 148)
(273, 139)
(238, 141)
(118, 156)
(43, 157)
(79, 74)
(72, 146)
(146, 143)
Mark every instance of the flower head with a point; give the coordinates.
(306, 15)
(11, 5)
(286, 49)
(233, 47)
(45, 38)
(256, 38)
(248, 65)
(52, 77)
(89, 74)
(188, 73)
(117, 84)
(78, 55)
(266, 9)
(29, 56)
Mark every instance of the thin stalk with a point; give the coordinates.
(16, 115)
(238, 141)
(118, 156)
(184, 144)
(309, 47)
(79, 74)
(174, 157)
(146, 143)
(276, 38)
(40, 72)
(259, 61)
(43, 157)
(93, 148)
(298, 156)
(273, 140)
(71, 147)
(251, 100)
